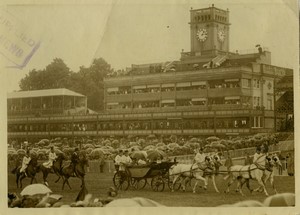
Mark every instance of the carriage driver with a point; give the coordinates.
(52, 156)
(25, 162)
(200, 157)
(257, 154)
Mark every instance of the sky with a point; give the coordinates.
(136, 32)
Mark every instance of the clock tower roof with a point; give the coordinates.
(209, 31)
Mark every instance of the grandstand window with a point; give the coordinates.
(167, 87)
(232, 100)
(199, 101)
(154, 88)
(168, 103)
(216, 101)
(198, 85)
(140, 89)
(184, 102)
(146, 104)
(183, 86)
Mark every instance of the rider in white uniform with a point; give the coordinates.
(25, 162)
(52, 156)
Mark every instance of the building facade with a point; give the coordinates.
(208, 91)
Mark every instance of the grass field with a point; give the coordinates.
(98, 183)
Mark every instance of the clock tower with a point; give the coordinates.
(209, 31)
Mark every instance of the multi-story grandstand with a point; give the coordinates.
(209, 91)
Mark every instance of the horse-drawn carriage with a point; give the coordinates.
(136, 176)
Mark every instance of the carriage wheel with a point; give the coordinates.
(121, 181)
(140, 183)
(177, 183)
(157, 183)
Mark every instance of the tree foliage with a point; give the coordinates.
(87, 81)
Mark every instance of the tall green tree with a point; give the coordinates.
(55, 75)
(87, 81)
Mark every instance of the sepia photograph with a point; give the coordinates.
(186, 104)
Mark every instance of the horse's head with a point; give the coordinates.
(217, 160)
(209, 161)
(61, 157)
(83, 159)
(276, 160)
(33, 161)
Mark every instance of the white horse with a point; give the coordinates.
(211, 174)
(195, 170)
(273, 161)
(244, 173)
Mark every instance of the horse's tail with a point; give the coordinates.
(226, 177)
(38, 168)
(229, 173)
(14, 170)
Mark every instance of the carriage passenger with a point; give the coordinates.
(141, 162)
(118, 159)
(25, 162)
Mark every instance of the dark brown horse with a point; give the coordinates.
(56, 168)
(31, 171)
(75, 169)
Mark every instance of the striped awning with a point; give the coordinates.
(232, 97)
(197, 83)
(153, 85)
(232, 80)
(185, 84)
(113, 89)
(198, 99)
(168, 101)
(168, 85)
(139, 87)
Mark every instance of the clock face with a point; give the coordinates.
(221, 35)
(202, 35)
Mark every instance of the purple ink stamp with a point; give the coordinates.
(16, 42)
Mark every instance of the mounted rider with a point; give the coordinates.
(75, 159)
(52, 157)
(25, 162)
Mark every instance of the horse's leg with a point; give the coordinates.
(272, 183)
(21, 179)
(57, 178)
(241, 182)
(17, 179)
(196, 183)
(232, 179)
(45, 175)
(248, 185)
(261, 183)
(183, 183)
(173, 182)
(214, 183)
(64, 181)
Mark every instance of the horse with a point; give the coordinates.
(56, 168)
(191, 171)
(31, 170)
(272, 161)
(211, 173)
(244, 173)
(74, 170)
